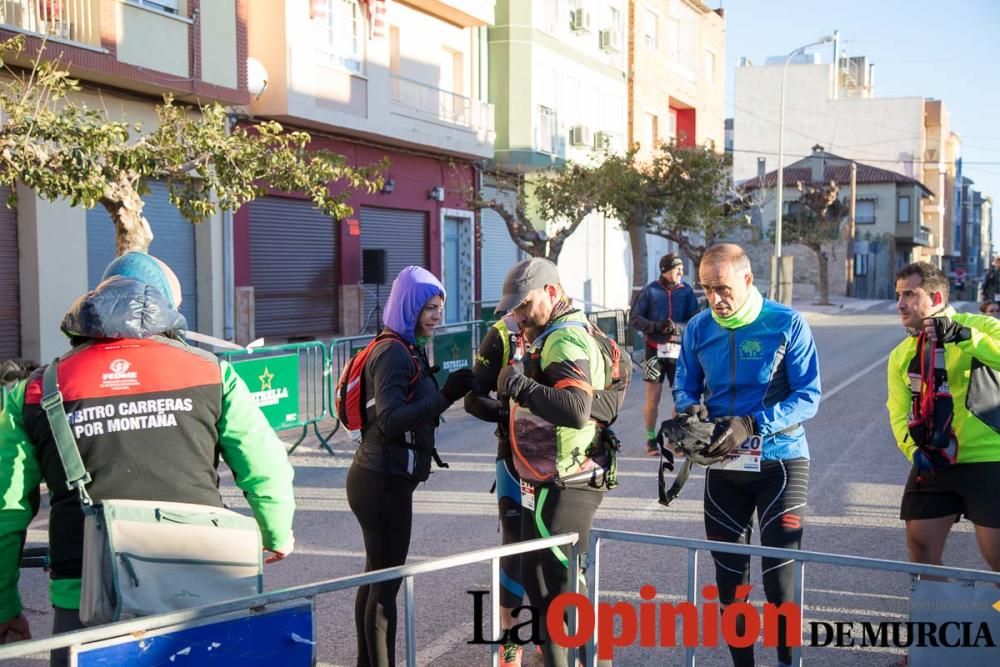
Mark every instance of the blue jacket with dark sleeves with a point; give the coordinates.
(656, 303)
(768, 369)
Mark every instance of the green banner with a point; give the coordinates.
(274, 385)
(452, 351)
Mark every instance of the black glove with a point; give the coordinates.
(947, 330)
(730, 433)
(511, 382)
(458, 384)
(698, 411)
(665, 327)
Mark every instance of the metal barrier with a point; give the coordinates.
(455, 346)
(405, 572)
(289, 383)
(798, 558)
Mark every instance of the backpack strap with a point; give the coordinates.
(77, 476)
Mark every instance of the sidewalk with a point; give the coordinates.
(839, 305)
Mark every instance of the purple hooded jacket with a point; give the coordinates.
(411, 290)
(399, 437)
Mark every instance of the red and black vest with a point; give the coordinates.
(144, 413)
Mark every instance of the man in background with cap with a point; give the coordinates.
(552, 434)
(127, 355)
(659, 312)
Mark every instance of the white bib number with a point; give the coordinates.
(527, 495)
(746, 458)
(668, 350)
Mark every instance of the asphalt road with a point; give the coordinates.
(857, 478)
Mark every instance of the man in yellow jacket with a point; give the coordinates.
(944, 407)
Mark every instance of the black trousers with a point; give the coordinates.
(545, 572)
(63, 620)
(778, 496)
(383, 505)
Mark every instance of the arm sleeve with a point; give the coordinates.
(566, 397)
(489, 361)
(391, 367)
(486, 369)
(257, 457)
(802, 366)
(689, 381)
(898, 402)
(20, 475)
(984, 343)
(640, 312)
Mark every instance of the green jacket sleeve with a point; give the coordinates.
(900, 398)
(20, 476)
(984, 344)
(258, 459)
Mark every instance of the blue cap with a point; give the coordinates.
(144, 268)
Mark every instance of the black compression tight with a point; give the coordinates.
(556, 511)
(778, 495)
(383, 505)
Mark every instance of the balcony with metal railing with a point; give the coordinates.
(72, 21)
(426, 102)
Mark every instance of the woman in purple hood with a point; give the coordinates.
(404, 405)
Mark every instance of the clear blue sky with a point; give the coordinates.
(945, 50)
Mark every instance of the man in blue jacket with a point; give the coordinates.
(754, 364)
(659, 312)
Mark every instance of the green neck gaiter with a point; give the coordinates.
(423, 340)
(745, 314)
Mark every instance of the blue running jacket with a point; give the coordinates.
(767, 369)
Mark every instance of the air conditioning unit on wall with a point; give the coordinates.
(580, 20)
(580, 135)
(610, 41)
(601, 140)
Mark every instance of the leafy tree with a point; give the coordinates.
(547, 205)
(814, 222)
(63, 149)
(683, 194)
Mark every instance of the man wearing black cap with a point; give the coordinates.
(659, 312)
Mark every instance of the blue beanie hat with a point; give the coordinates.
(143, 268)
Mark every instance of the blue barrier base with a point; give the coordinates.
(281, 636)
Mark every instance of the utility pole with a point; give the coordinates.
(851, 242)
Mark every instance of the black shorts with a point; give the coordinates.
(969, 489)
(668, 367)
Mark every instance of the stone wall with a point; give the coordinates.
(806, 271)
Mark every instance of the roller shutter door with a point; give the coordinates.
(403, 235)
(10, 285)
(292, 269)
(173, 243)
(498, 254)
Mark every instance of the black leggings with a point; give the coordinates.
(383, 505)
(556, 511)
(778, 494)
(509, 508)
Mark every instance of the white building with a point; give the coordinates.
(908, 135)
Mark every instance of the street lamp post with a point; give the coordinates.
(776, 274)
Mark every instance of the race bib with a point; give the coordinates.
(527, 495)
(746, 458)
(668, 350)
